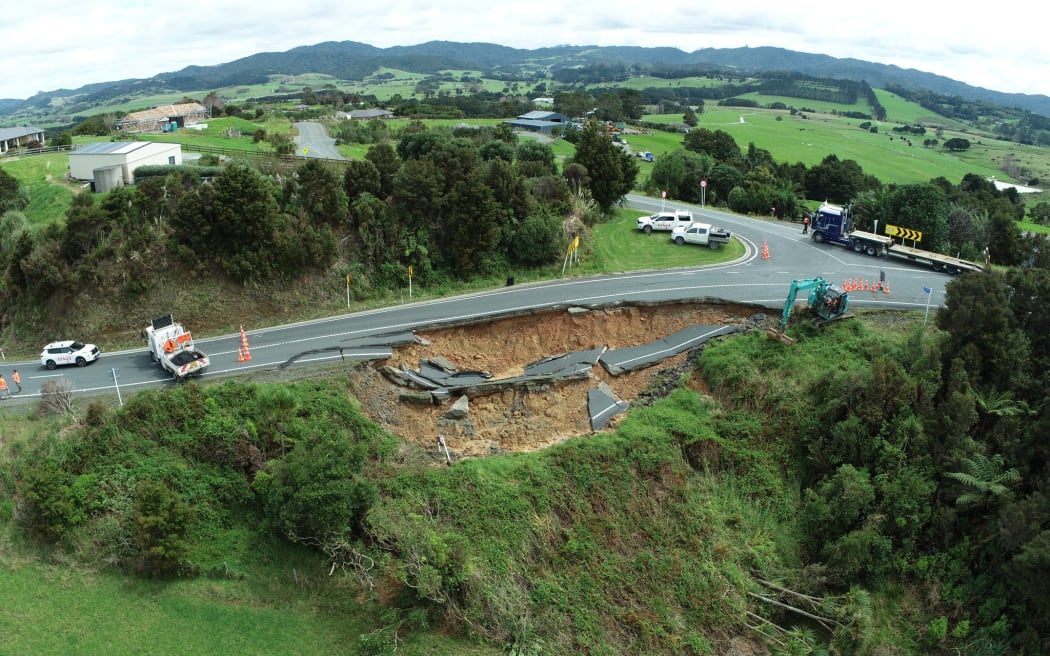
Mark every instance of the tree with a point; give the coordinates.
(612, 171)
(162, 527)
(317, 492)
(534, 159)
(921, 207)
(837, 181)
(47, 490)
(234, 219)
(1040, 213)
(722, 180)
(573, 103)
(610, 107)
(633, 104)
(361, 176)
(12, 196)
(680, 173)
(496, 149)
(716, 143)
(957, 144)
(214, 103)
(384, 158)
(86, 227)
(468, 234)
(538, 240)
(976, 315)
(317, 190)
(689, 118)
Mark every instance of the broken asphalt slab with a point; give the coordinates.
(631, 358)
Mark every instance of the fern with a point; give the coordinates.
(986, 476)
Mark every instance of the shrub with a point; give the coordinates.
(48, 493)
(56, 398)
(162, 523)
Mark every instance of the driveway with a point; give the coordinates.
(313, 141)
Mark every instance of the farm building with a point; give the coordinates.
(365, 114)
(164, 118)
(101, 162)
(18, 137)
(539, 121)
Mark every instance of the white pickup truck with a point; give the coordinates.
(171, 345)
(665, 221)
(703, 234)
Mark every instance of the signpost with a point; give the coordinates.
(929, 293)
(703, 192)
(410, 281)
(348, 291)
(113, 373)
(663, 195)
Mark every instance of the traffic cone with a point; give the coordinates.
(886, 287)
(765, 250)
(243, 354)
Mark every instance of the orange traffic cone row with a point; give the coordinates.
(243, 354)
(765, 250)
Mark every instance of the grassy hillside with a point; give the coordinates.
(654, 538)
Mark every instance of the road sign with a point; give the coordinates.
(903, 233)
(663, 194)
(703, 183)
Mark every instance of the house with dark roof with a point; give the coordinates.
(539, 121)
(19, 137)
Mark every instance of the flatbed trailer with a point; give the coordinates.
(936, 261)
(833, 224)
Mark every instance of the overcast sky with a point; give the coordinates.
(54, 44)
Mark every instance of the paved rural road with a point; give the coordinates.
(313, 141)
(751, 279)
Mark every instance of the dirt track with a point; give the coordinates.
(536, 417)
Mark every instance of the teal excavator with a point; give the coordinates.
(826, 301)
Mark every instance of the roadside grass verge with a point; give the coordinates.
(617, 245)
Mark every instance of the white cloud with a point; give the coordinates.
(54, 47)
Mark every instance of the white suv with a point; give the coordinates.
(68, 352)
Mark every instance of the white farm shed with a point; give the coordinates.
(128, 155)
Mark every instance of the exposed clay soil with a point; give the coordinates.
(542, 415)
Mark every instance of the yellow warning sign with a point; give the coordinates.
(903, 233)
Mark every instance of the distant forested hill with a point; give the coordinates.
(350, 60)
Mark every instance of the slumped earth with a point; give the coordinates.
(535, 416)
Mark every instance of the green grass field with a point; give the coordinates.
(619, 246)
(53, 610)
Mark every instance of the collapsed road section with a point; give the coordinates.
(436, 380)
(525, 382)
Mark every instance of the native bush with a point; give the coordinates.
(162, 522)
(48, 493)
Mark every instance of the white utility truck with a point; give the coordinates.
(664, 220)
(703, 234)
(171, 345)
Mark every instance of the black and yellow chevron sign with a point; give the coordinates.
(903, 233)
